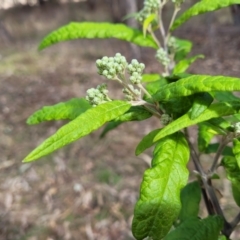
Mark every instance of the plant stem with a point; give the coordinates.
(176, 10)
(160, 21)
(222, 145)
(154, 36)
(144, 90)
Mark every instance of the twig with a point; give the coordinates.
(176, 10)
(222, 145)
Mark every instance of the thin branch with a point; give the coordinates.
(144, 90)
(160, 21)
(194, 155)
(221, 147)
(176, 10)
(154, 36)
(235, 222)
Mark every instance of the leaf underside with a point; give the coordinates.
(92, 30)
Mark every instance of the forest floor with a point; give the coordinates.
(88, 189)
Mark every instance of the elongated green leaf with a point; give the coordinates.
(183, 48)
(195, 84)
(133, 114)
(219, 125)
(150, 77)
(159, 203)
(84, 124)
(190, 199)
(205, 135)
(198, 229)
(201, 102)
(233, 174)
(236, 150)
(184, 64)
(61, 111)
(148, 22)
(202, 7)
(146, 142)
(92, 30)
(214, 111)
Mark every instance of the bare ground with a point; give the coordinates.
(86, 190)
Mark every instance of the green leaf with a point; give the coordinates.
(184, 64)
(92, 30)
(190, 199)
(195, 84)
(150, 77)
(159, 203)
(133, 114)
(198, 229)
(153, 87)
(62, 111)
(236, 150)
(233, 174)
(147, 22)
(222, 237)
(205, 136)
(214, 111)
(212, 148)
(176, 107)
(183, 48)
(81, 126)
(224, 96)
(146, 142)
(201, 102)
(202, 7)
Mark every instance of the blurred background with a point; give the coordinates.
(88, 189)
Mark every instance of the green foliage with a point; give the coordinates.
(184, 64)
(62, 111)
(92, 30)
(133, 114)
(195, 84)
(202, 7)
(197, 229)
(233, 174)
(201, 102)
(159, 203)
(214, 111)
(168, 207)
(190, 199)
(79, 127)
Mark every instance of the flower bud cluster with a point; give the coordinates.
(131, 93)
(165, 119)
(178, 3)
(162, 57)
(149, 7)
(172, 45)
(111, 66)
(96, 96)
(237, 128)
(135, 69)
